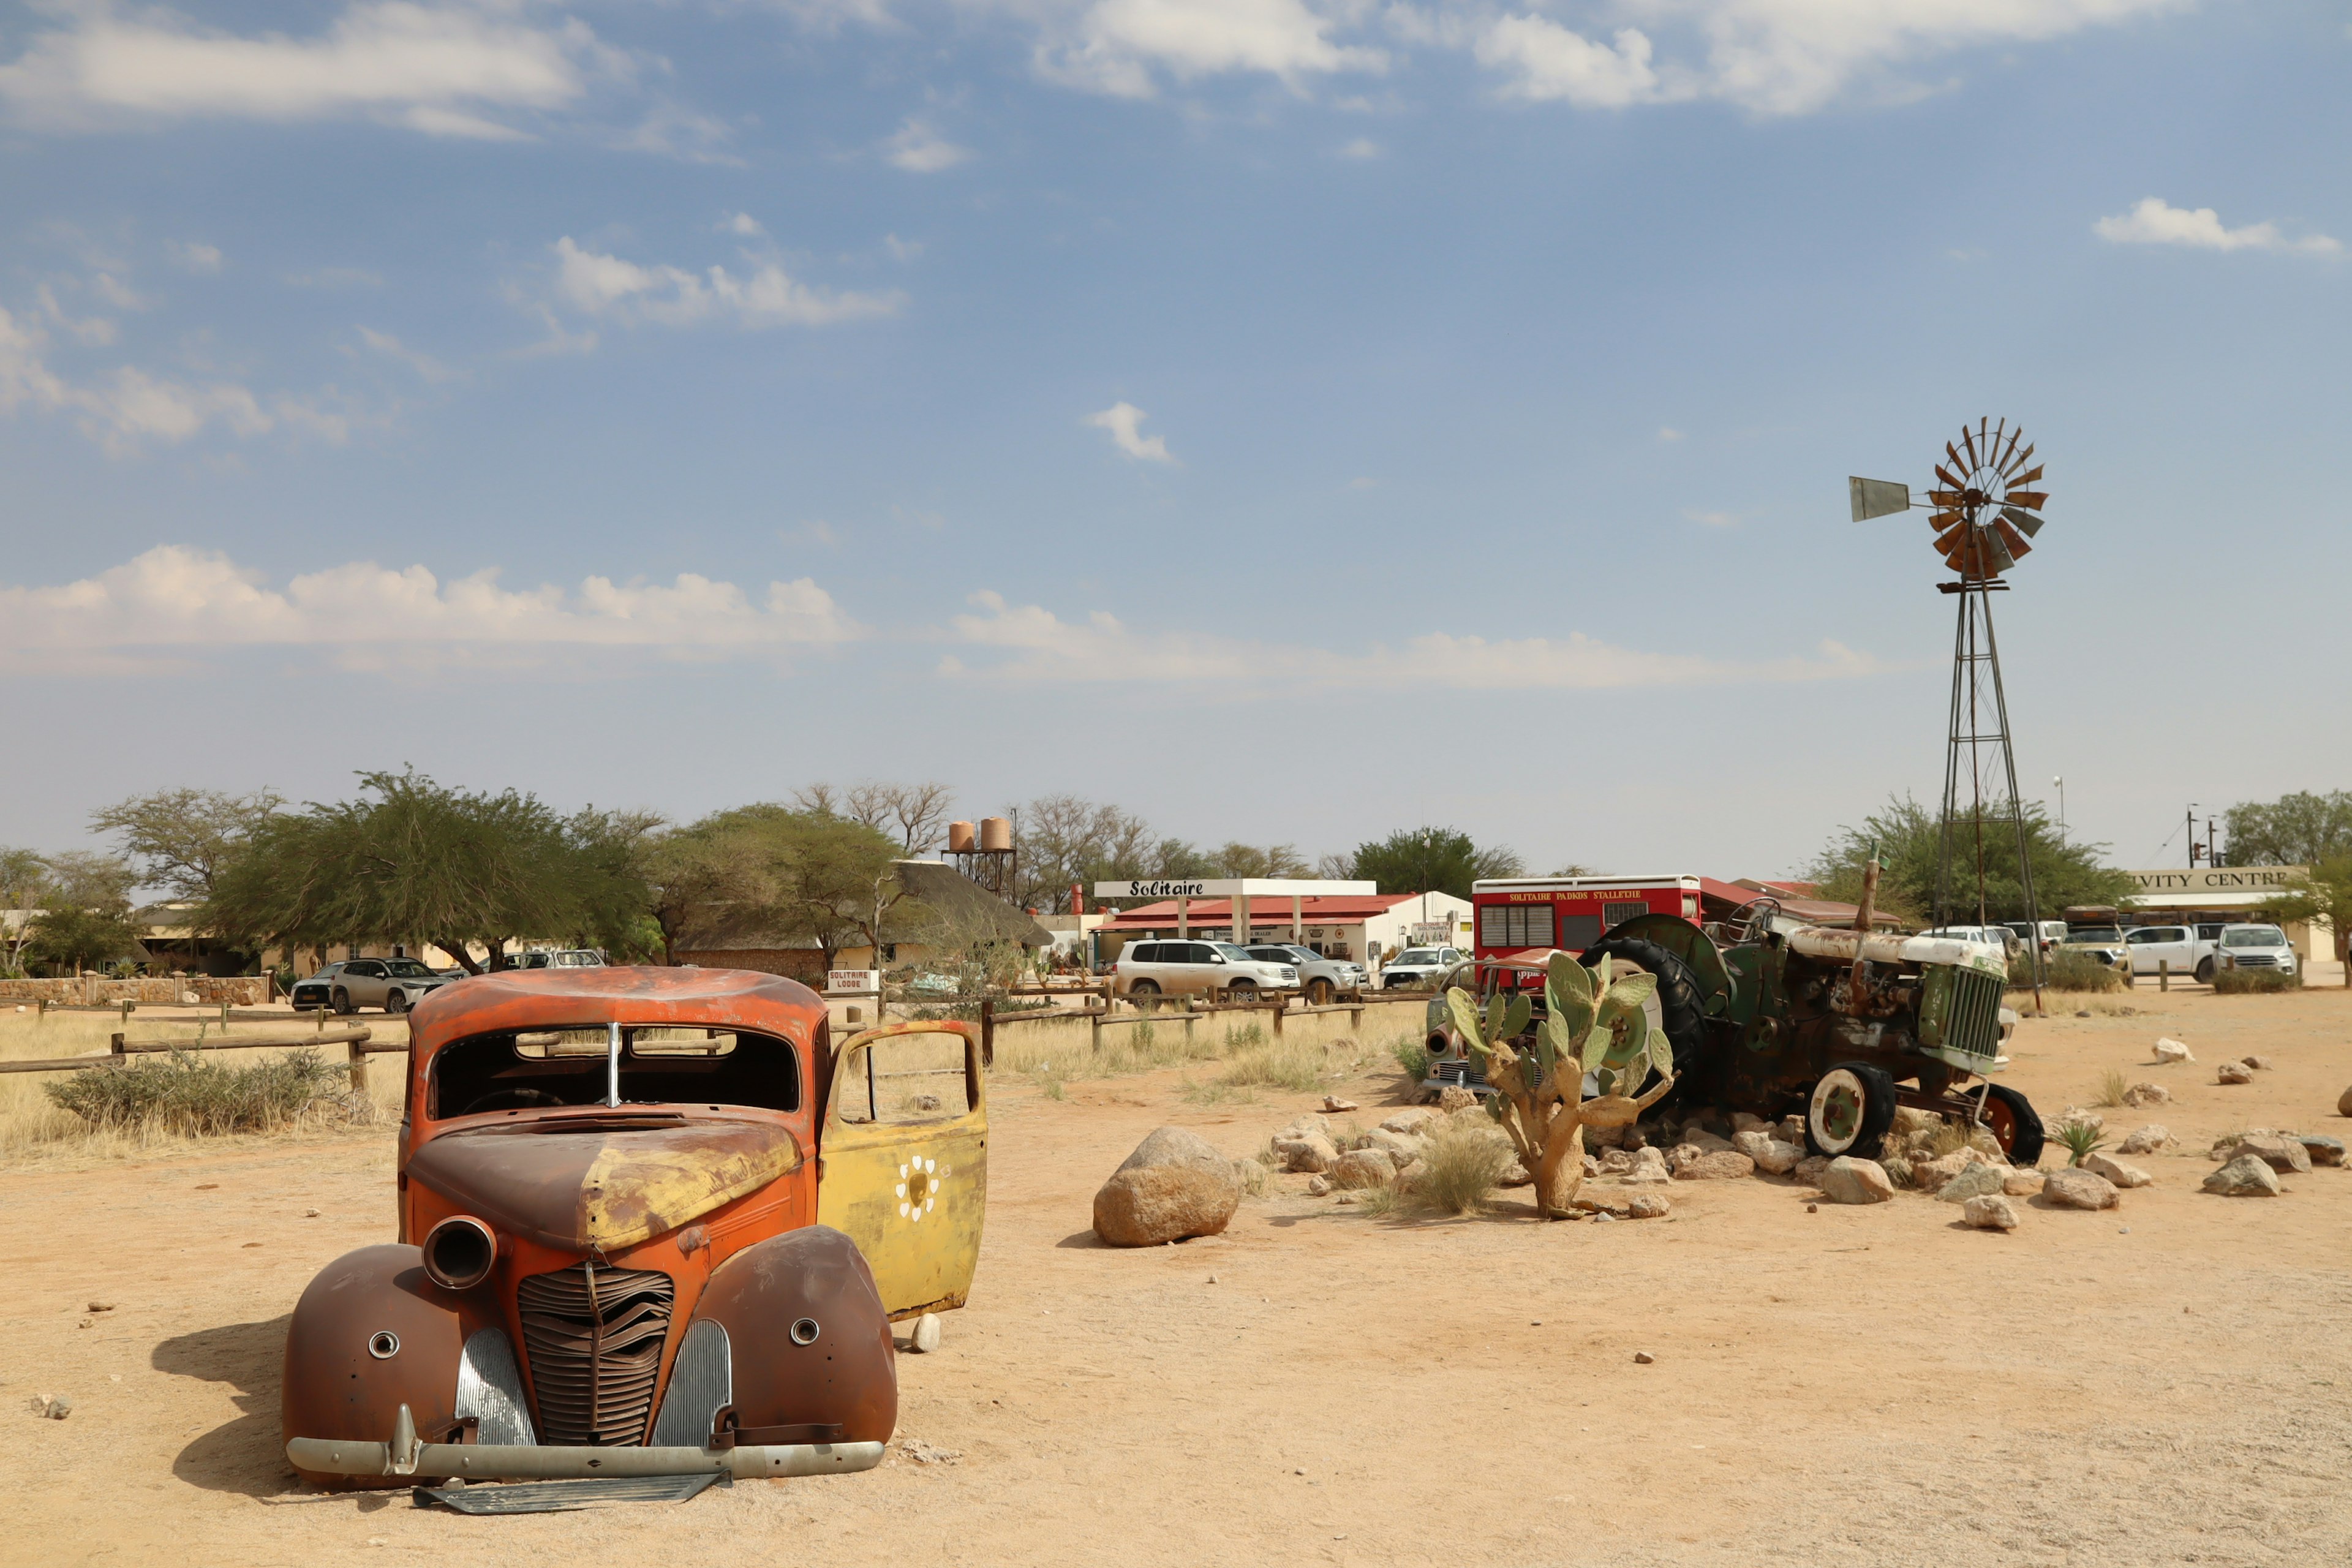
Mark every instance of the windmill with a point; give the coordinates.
(1986, 510)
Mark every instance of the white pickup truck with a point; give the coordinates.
(2178, 950)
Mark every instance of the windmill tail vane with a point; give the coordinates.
(1985, 506)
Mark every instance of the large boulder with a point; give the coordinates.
(2079, 1189)
(2117, 1171)
(2244, 1177)
(1364, 1168)
(1772, 1155)
(1172, 1186)
(1851, 1180)
(2280, 1152)
(1976, 1182)
(1401, 1147)
(2323, 1150)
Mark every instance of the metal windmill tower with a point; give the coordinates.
(1985, 509)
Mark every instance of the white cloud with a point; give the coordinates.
(130, 407)
(902, 250)
(919, 149)
(1041, 648)
(423, 364)
(193, 255)
(1715, 519)
(1669, 433)
(95, 330)
(2155, 222)
(744, 225)
(1114, 45)
(607, 286)
(444, 70)
(1547, 60)
(1124, 420)
(1362, 147)
(177, 597)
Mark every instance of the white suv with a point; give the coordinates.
(2256, 947)
(1196, 969)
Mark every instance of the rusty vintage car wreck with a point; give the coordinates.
(652, 1222)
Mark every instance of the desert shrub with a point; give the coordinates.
(2248, 982)
(2113, 1085)
(1461, 1166)
(2081, 1139)
(186, 1094)
(1379, 1203)
(2068, 970)
(1281, 1065)
(1249, 1037)
(1412, 1056)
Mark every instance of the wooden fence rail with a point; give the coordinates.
(357, 1043)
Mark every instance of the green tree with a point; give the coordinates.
(2324, 893)
(2300, 829)
(24, 883)
(2066, 871)
(182, 839)
(1431, 860)
(84, 901)
(72, 938)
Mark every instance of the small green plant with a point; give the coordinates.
(1248, 1038)
(2253, 982)
(2113, 1085)
(1052, 1089)
(2081, 1139)
(1412, 1057)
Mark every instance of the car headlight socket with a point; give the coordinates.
(460, 1252)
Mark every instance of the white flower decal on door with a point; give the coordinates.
(918, 1187)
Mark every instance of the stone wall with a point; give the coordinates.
(207, 990)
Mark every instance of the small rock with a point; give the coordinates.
(309, 1213)
(1593, 1166)
(1363, 1168)
(52, 1406)
(2259, 1064)
(1648, 1206)
(2117, 1171)
(1811, 1167)
(1745, 1121)
(2141, 1094)
(2169, 1050)
(1307, 1155)
(2244, 1177)
(1910, 1119)
(1649, 1165)
(1453, 1098)
(2078, 1189)
(1317, 1186)
(1604, 1215)
(1716, 1165)
(1705, 1142)
(2343, 1104)
(1934, 1175)
(2233, 1072)
(1775, 1156)
(1976, 1182)
(1413, 1123)
(1515, 1175)
(1615, 1161)
(2323, 1150)
(1333, 1102)
(1851, 1180)
(2081, 1117)
(1644, 1358)
(1812, 1209)
(1349, 1197)
(1989, 1211)
(925, 1454)
(2280, 1152)
(2022, 1183)
(1400, 1147)
(2146, 1140)
(2081, 1012)
(926, 1337)
(1173, 1186)
(108, 1306)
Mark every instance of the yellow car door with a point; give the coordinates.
(903, 1160)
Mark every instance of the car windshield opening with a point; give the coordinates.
(1234, 953)
(535, 1070)
(1417, 955)
(2254, 936)
(408, 969)
(2095, 933)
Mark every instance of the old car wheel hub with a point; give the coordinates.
(1836, 1111)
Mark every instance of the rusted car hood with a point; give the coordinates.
(604, 1187)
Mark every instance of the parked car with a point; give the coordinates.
(2051, 933)
(2100, 945)
(558, 957)
(2255, 947)
(1321, 978)
(394, 984)
(2010, 942)
(651, 1223)
(1197, 968)
(1419, 966)
(2176, 949)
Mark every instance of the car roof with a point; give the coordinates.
(623, 993)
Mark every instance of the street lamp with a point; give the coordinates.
(2061, 782)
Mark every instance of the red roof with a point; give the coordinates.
(1266, 909)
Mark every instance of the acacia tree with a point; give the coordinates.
(182, 839)
(2066, 871)
(2300, 829)
(2324, 893)
(1431, 860)
(915, 815)
(85, 910)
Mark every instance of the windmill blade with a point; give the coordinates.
(1940, 520)
(1954, 453)
(1968, 440)
(2009, 457)
(2026, 477)
(1996, 554)
(2012, 541)
(2025, 522)
(1951, 483)
(2032, 500)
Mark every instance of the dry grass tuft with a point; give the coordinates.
(1278, 1065)
(2253, 982)
(1461, 1167)
(2113, 1085)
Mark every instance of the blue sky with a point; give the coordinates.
(1290, 421)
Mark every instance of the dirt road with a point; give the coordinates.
(2171, 1382)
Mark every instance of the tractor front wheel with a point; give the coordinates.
(1849, 1111)
(2011, 1118)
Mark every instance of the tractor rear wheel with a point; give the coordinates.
(1849, 1111)
(1678, 995)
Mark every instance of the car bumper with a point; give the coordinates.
(518, 1462)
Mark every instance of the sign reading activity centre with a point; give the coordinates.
(2262, 880)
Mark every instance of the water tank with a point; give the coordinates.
(958, 837)
(995, 833)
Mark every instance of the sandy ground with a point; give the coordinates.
(2165, 1383)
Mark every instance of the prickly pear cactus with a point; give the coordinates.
(1592, 1026)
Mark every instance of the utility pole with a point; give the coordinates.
(2195, 848)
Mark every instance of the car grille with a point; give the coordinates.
(1457, 1070)
(594, 1337)
(1975, 1023)
(2257, 961)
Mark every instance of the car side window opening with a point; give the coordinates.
(905, 1080)
(535, 1070)
(366, 968)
